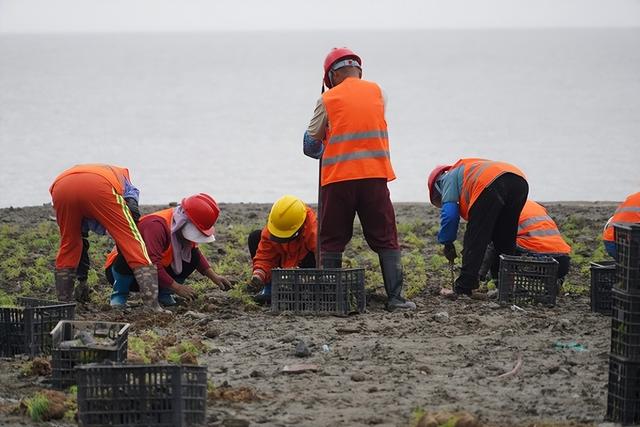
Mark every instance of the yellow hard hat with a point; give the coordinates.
(286, 217)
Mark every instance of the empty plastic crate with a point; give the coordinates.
(141, 395)
(628, 264)
(625, 326)
(26, 328)
(64, 358)
(318, 291)
(603, 277)
(526, 280)
(623, 400)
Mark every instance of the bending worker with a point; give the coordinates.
(348, 132)
(99, 194)
(288, 240)
(627, 213)
(172, 236)
(538, 234)
(490, 196)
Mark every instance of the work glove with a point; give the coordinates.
(449, 251)
(256, 283)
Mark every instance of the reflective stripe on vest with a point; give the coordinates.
(359, 135)
(628, 209)
(538, 233)
(354, 156)
(533, 220)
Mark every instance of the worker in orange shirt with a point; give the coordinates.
(102, 194)
(628, 213)
(287, 241)
(348, 133)
(172, 236)
(490, 196)
(537, 235)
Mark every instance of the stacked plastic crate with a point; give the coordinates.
(623, 402)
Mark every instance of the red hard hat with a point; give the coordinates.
(202, 211)
(336, 54)
(433, 176)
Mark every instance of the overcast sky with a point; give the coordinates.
(216, 15)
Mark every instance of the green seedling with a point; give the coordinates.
(37, 407)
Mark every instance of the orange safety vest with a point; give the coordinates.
(114, 174)
(167, 255)
(356, 142)
(538, 233)
(478, 175)
(627, 213)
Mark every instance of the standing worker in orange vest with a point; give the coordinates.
(627, 213)
(171, 236)
(538, 234)
(490, 196)
(348, 132)
(287, 241)
(102, 194)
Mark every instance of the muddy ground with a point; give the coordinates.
(376, 368)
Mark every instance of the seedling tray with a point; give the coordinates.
(333, 291)
(603, 277)
(524, 280)
(25, 329)
(628, 263)
(141, 395)
(65, 358)
(623, 400)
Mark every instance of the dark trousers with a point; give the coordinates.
(309, 261)
(370, 199)
(492, 218)
(82, 272)
(121, 266)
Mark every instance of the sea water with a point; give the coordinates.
(224, 113)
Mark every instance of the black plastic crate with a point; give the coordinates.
(623, 400)
(318, 291)
(526, 280)
(627, 239)
(25, 329)
(141, 395)
(625, 326)
(603, 277)
(65, 358)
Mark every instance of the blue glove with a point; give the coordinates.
(311, 146)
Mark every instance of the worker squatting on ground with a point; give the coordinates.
(538, 235)
(348, 132)
(287, 241)
(627, 213)
(171, 237)
(490, 196)
(99, 197)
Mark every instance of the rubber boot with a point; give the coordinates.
(65, 278)
(392, 275)
(121, 285)
(331, 259)
(147, 278)
(81, 292)
(264, 296)
(165, 297)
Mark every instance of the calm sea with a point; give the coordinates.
(224, 113)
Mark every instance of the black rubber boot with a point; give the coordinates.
(331, 260)
(392, 275)
(65, 279)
